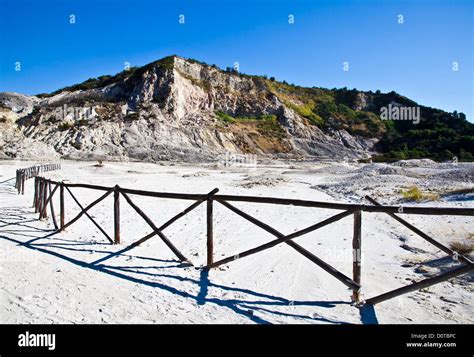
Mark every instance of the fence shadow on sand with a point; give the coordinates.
(17, 227)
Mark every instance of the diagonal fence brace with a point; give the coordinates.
(287, 239)
(72, 221)
(161, 228)
(422, 234)
(421, 284)
(89, 216)
(155, 228)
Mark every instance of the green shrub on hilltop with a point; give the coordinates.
(93, 83)
(439, 135)
(102, 81)
(166, 62)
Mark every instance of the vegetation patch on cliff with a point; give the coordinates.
(265, 124)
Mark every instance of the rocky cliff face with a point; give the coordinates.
(170, 109)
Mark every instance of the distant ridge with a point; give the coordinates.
(184, 109)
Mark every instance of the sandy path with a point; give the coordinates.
(51, 279)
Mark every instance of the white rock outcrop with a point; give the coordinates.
(165, 113)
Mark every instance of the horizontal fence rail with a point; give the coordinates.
(45, 189)
(433, 211)
(25, 174)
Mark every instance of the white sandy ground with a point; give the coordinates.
(50, 279)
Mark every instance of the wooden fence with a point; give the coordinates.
(45, 190)
(25, 174)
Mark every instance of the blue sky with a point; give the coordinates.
(414, 58)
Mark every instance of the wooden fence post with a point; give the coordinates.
(61, 206)
(357, 253)
(51, 204)
(40, 197)
(210, 241)
(45, 199)
(23, 183)
(35, 195)
(117, 215)
(41, 206)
